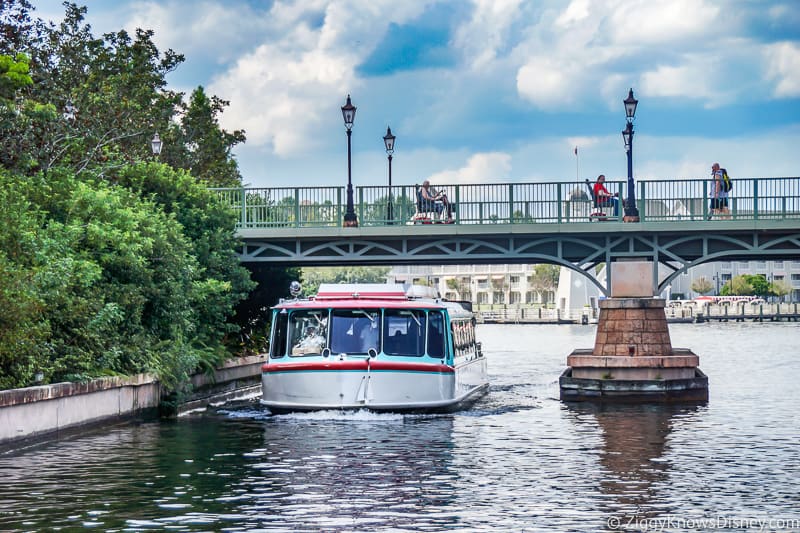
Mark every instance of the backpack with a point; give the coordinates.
(727, 183)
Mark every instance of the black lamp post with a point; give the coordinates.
(156, 144)
(388, 140)
(631, 213)
(349, 114)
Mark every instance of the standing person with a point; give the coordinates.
(436, 201)
(719, 196)
(604, 196)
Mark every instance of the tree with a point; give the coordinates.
(201, 146)
(544, 280)
(759, 283)
(107, 96)
(702, 285)
(737, 286)
(314, 276)
(780, 288)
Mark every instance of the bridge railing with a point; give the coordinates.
(509, 203)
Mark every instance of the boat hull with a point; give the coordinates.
(373, 385)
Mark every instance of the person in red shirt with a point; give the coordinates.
(604, 196)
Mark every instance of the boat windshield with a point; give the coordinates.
(355, 330)
(308, 331)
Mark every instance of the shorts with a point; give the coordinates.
(719, 203)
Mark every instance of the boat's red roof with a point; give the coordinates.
(356, 303)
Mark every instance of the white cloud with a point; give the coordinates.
(593, 50)
(281, 90)
(647, 22)
(480, 168)
(487, 31)
(696, 78)
(783, 60)
(547, 83)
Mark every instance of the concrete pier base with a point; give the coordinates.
(633, 359)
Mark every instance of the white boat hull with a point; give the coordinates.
(370, 384)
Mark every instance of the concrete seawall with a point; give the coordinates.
(45, 411)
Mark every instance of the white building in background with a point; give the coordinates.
(576, 291)
(510, 285)
(483, 285)
(721, 272)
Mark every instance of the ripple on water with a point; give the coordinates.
(517, 459)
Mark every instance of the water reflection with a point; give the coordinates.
(331, 470)
(635, 443)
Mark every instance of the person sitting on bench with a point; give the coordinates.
(603, 196)
(432, 201)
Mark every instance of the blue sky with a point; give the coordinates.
(486, 91)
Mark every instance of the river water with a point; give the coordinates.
(517, 460)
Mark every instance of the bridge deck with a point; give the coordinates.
(551, 203)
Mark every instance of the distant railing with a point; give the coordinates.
(510, 203)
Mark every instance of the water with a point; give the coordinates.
(518, 460)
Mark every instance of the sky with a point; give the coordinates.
(486, 91)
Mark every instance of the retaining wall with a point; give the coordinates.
(46, 410)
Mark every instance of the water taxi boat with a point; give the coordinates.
(382, 347)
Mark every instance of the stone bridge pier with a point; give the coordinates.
(633, 359)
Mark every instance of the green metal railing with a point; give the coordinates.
(510, 203)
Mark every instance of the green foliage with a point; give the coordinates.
(13, 75)
(314, 276)
(253, 314)
(221, 280)
(111, 279)
(759, 284)
(201, 146)
(747, 285)
(109, 265)
(739, 286)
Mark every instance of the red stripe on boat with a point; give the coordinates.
(355, 364)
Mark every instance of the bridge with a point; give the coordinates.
(522, 223)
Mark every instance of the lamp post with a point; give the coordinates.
(631, 213)
(388, 140)
(716, 281)
(156, 144)
(349, 114)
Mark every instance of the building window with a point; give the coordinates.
(498, 297)
(777, 264)
(514, 298)
(795, 277)
(514, 281)
(530, 297)
(483, 298)
(483, 283)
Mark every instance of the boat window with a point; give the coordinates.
(308, 331)
(355, 331)
(404, 332)
(277, 347)
(436, 334)
(463, 337)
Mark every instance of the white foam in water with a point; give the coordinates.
(361, 415)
